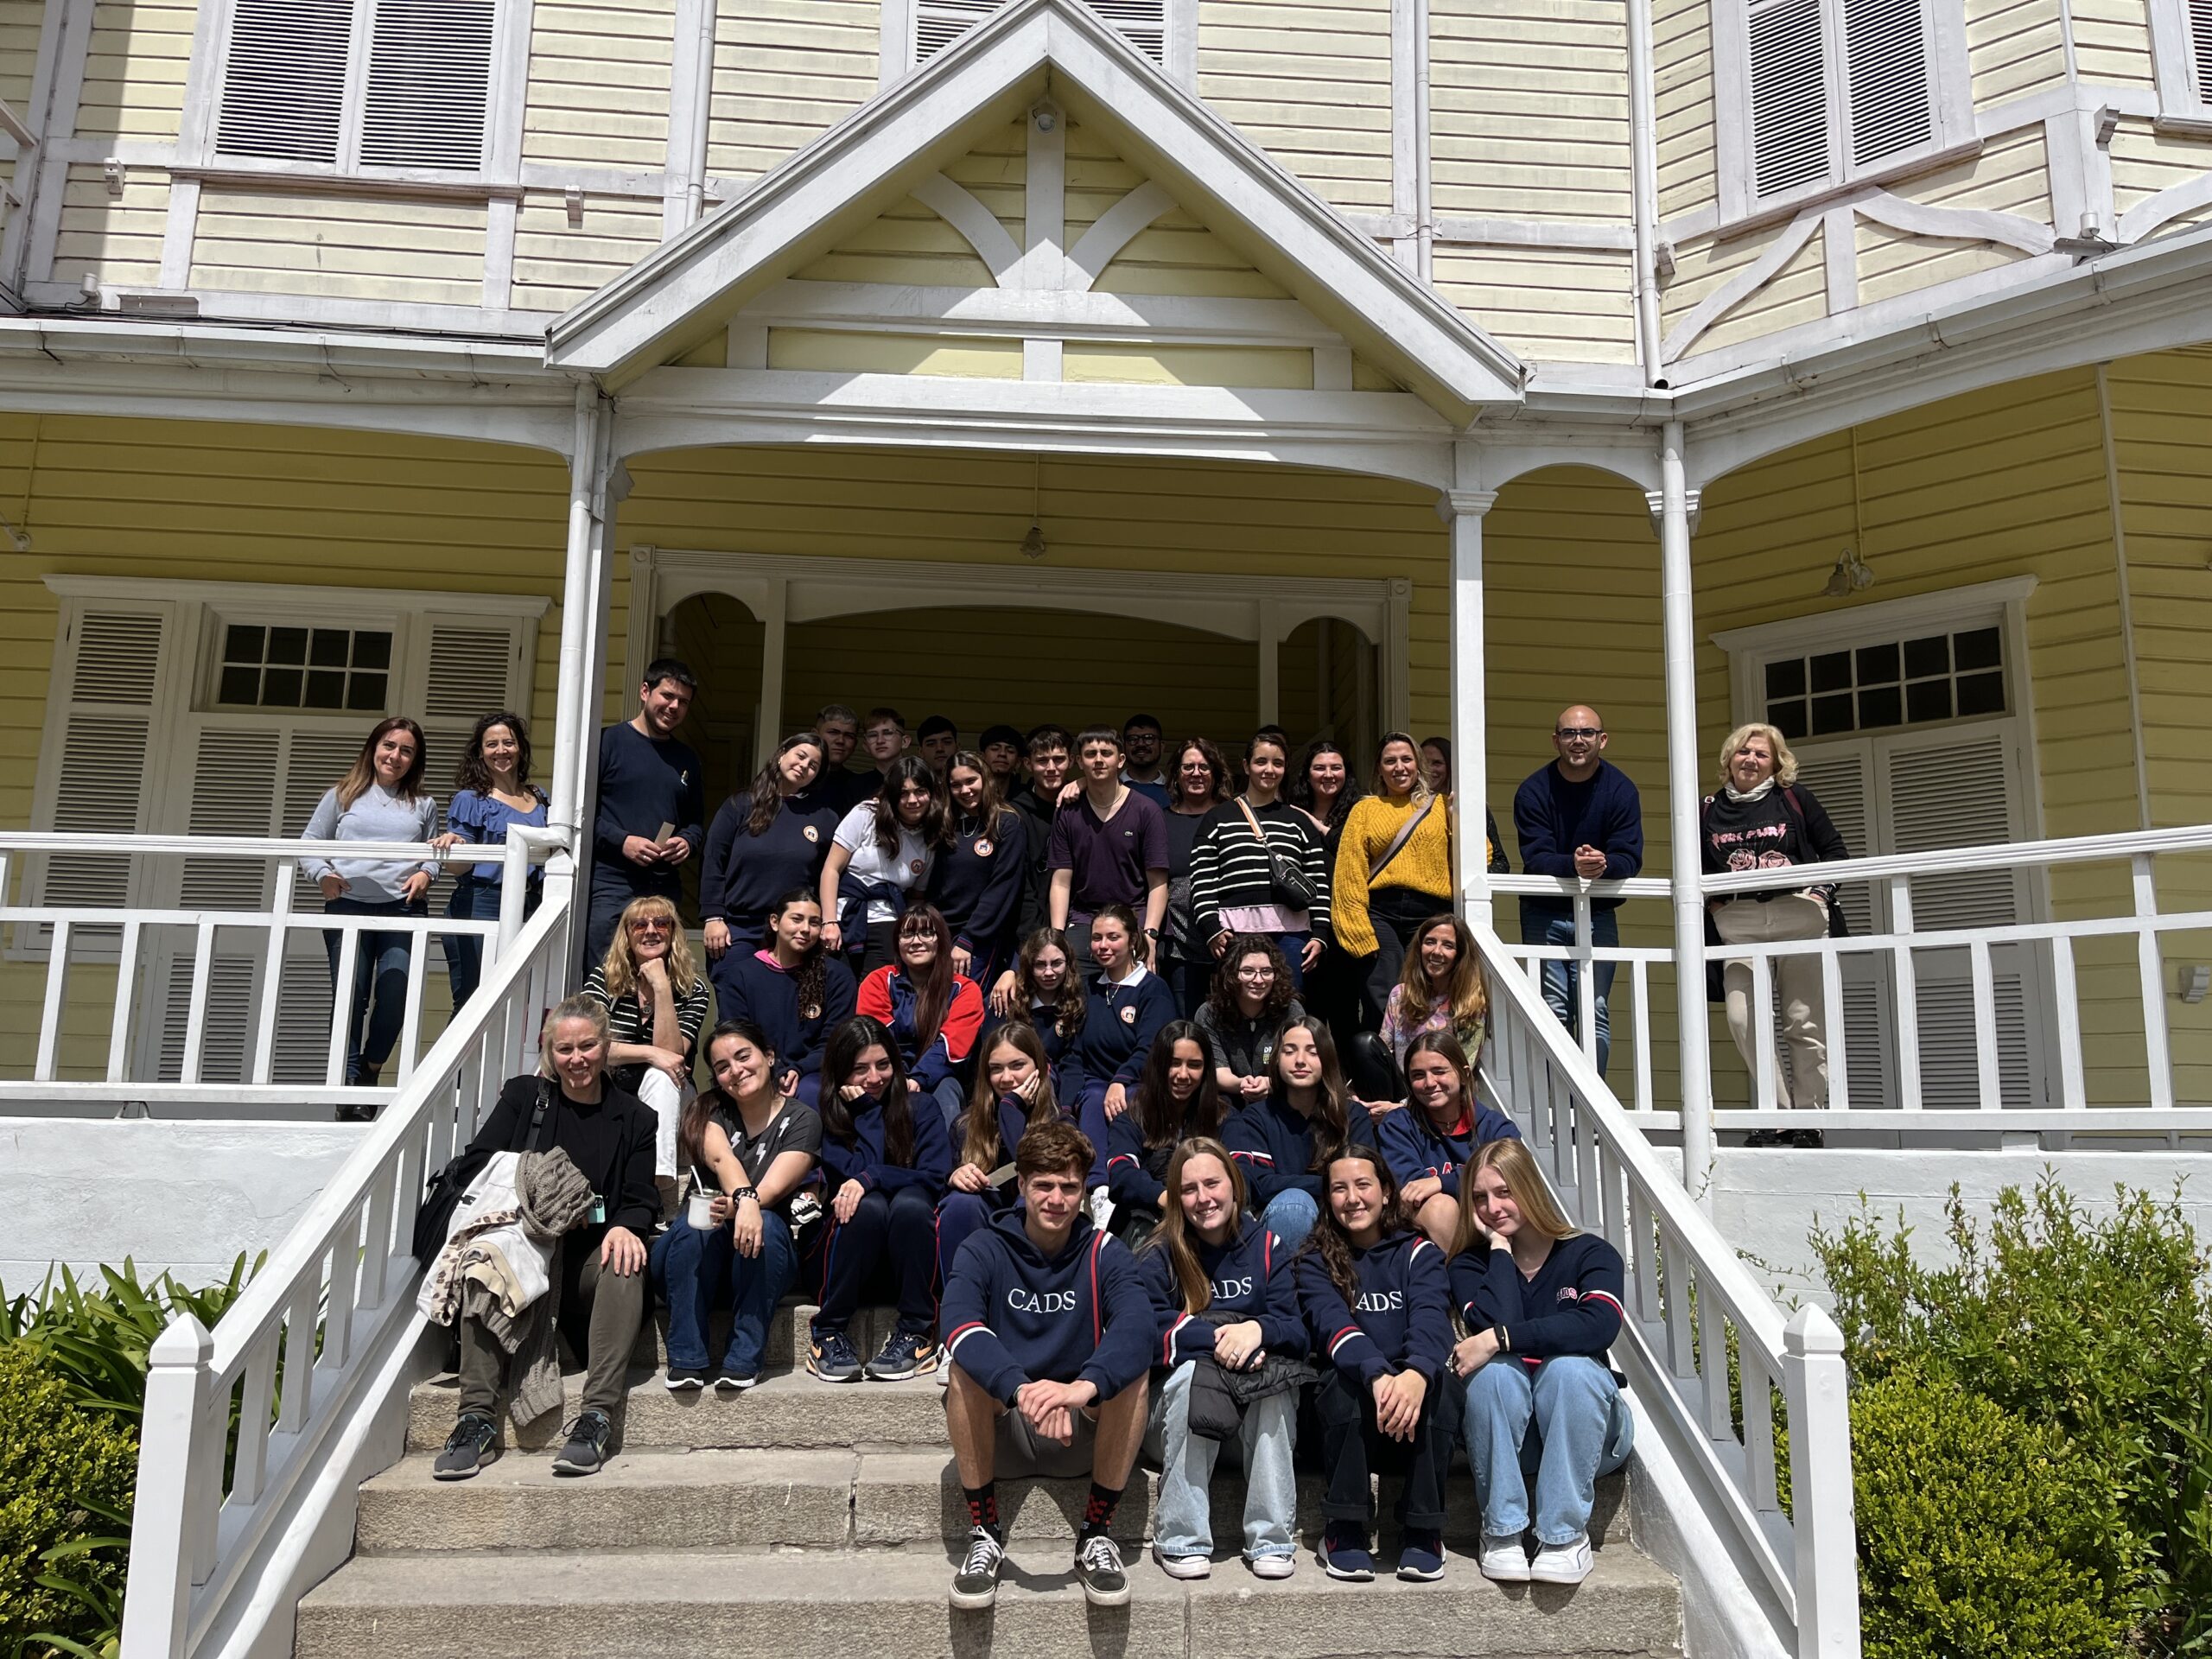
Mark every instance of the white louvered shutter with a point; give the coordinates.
(1145, 22)
(1888, 91)
(1792, 141)
(430, 84)
(473, 671)
(1839, 780)
(284, 79)
(938, 23)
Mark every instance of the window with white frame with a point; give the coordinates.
(359, 85)
(2181, 41)
(1817, 94)
(934, 24)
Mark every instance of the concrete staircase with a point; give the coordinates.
(801, 1518)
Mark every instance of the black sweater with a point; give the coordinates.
(979, 880)
(610, 1142)
(743, 874)
(1229, 867)
(1782, 827)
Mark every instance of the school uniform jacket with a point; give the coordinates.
(754, 987)
(1416, 1148)
(742, 875)
(1275, 1142)
(864, 1161)
(1013, 1314)
(976, 882)
(1251, 1278)
(889, 995)
(1135, 1172)
(1403, 1319)
(1575, 1304)
(1119, 1026)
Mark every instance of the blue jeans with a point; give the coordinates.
(1290, 1216)
(1563, 988)
(472, 901)
(1585, 1428)
(1184, 1522)
(378, 1004)
(698, 1272)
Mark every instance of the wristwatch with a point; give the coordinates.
(752, 1193)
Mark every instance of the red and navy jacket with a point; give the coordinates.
(1275, 1142)
(864, 1161)
(1251, 1277)
(889, 995)
(1404, 1320)
(1574, 1305)
(1416, 1148)
(976, 881)
(1013, 1314)
(751, 985)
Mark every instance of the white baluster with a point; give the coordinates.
(1991, 1086)
(1817, 1388)
(157, 1603)
(49, 1024)
(2156, 1049)
(1908, 995)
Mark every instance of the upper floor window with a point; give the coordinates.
(359, 84)
(2181, 39)
(1831, 91)
(1957, 674)
(938, 23)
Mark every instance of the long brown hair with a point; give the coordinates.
(1332, 1123)
(933, 992)
(1162, 1122)
(810, 984)
(699, 1110)
(1466, 994)
(620, 969)
(1516, 1166)
(846, 1045)
(767, 783)
(908, 769)
(1192, 1284)
(990, 811)
(1329, 1241)
(1069, 1003)
(363, 773)
(979, 1123)
(474, 773)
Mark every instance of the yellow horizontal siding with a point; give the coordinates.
(1529, 109)
(908, 243)
(556, 264)
(785, 72)
(383, 249)
(135, 71)
(995, 173)
(116, 240)
(828, 350)
(1568, 305)
(2112, 42)
(2009, 176)
(2014, 47)
(1796, 294)
(19, 21)
(2146, 161)
(1097, 176)
(598, 86)
(1281, 367)
(1890, 262)
(1308, 81)
(1681, 51)
(1177, 255)
(1704, 264)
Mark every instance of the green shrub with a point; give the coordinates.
(65, 1477)
(98, 1339)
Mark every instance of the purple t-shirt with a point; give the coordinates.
(1108, 857)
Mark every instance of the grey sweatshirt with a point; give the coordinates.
(377, 815)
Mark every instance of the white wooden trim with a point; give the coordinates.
(1957, 224)
(499, 216)
(178, 229)
(1022, 313)
(1044, 215)
(1839, 255)
(285, 600)
(977, 225)
(1113, 230)
(31, 171)
(2171, 203)
(1532, 233)
(1738, 287)
(1182, 41)
(1836, 629)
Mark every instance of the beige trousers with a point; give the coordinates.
(1785, 915)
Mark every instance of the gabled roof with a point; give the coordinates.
(689, 288)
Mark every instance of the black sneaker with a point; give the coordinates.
(586, 1451)
(474, 1441)
(829, 1356)
(729, 1382)
(1344, 1551)
(1764, 1138)
(1806, 1140)
(685, 1379)
(1098, 1563)
(976, 1585)
(903, 1354)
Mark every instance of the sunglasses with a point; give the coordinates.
(650, 925)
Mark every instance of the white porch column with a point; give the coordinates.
(1683, 770)
(1462, 512)
(768, 726)
(583, 602)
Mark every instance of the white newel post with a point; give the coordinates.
(1817, 1387)
(157, 1607)
(1694, 1067)
(1462, 512)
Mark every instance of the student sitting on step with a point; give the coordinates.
(1223, 1295)
(884, 1161)
(752, 1146)
(1043, 988)
(792, 988)
(1012, 1096)
(1430, 1139)
(1544, 1303)
(1128, 1005)
(1373, 1292)
(1048, 1329)
(933, 1011)
(1281, 1137)
(1175, 1100)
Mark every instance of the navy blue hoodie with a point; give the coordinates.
(1275, 1142)
(1574, 1305)
(1416, 1148)
(976, 882)
(742, 876)
(1119, 1026)
(748, 985)
(1013, 1315)
(1135, 1172)
(1251, 1277)
(864, 1161)
(1403, 1322)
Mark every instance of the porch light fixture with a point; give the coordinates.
(1850, 575)
(1033, 544)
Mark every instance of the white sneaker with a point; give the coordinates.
(1272, 1566)
(1567, 1563)
(1503, 1559)
(1182, 1566)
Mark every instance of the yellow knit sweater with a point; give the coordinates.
(1423, 865)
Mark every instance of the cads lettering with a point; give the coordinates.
(1380, 1301)
(1032, 1302)
(1231, 1290)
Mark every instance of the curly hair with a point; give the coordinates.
(1069, 1003)
(1329, 1241)
(475, 773)
(810, 983)
(1221, 998)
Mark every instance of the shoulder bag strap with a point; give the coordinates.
(1245, 807)
(1398, 842)
(538, 1116)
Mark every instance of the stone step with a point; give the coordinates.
(600, 1604)
(709, 1500)
(787, 1332)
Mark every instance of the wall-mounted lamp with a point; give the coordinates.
(1033, 544)
(1850, 575)
(2195, 981)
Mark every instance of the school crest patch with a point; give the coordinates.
(811, 833)
(1128, 1016)
(983, 847)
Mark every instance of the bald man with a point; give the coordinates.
(1580, 815)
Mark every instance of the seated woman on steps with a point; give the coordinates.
(1281, 1138)
(933, 1011)
(599, 1269)
(752, 1146)
(1221, 1290)
(1544, 1303)
(884, 1162)
(1043, 988)
(1176, 1100)
(1430, 1139)
(791, 988)
(657, 1003)
(1013, 1095)
(1126, 1009)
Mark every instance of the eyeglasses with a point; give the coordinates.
(1261, 972)
(1580, 731)
(649, 924)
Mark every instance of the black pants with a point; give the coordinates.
(1353, 1447)
(1397, 913)
(894, 1231)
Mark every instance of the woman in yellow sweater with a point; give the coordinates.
(1393, 870)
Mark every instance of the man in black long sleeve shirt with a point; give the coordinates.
(646, 779)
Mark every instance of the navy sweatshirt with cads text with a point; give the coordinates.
(1404, 1320)
(1013, 1315)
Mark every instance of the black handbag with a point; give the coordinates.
(434, 1216)
(1284, 876)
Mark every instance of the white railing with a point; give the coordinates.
(263, 1028)
(1690, 1303)
(294, 1349)
(1639, 965)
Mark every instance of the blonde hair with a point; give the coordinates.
(1517, 1168)
(570, 1008)
(620, 969)
(1785, 763)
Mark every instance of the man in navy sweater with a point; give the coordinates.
(1049, 1332)
(652, 806)
(1578, 817)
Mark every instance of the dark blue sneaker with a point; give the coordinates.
(903, 1354)
(1344, 1551)
(829, 1356)
(1420, 1555)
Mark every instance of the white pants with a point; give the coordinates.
(667, 1102)
(1785, 915)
